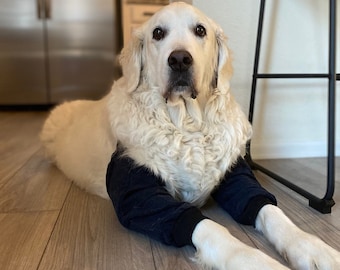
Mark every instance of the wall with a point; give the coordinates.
(291, 115)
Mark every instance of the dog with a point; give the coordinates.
(172, 113)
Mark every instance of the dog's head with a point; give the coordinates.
(179, 50)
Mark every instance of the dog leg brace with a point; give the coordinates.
(241, 195)
(143, 204)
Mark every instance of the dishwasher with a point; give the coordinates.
(57, 50)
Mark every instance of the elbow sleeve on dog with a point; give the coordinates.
(241, 195)
(143, 204)
(185, 226)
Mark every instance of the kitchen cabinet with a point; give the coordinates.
(56, 50)
(136, 12)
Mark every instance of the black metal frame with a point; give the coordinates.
(324, 204)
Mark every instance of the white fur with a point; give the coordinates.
(302, 250)
(77, 137)
(190, 143)
(218, 249)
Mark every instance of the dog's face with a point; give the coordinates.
(180, 51)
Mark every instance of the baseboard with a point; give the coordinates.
(291, 150)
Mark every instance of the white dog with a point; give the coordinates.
(173, 113)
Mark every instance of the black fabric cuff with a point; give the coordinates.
(185, 226)
(253, 207)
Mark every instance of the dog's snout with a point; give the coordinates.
(180, 60)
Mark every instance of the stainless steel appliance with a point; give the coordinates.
(56, 50)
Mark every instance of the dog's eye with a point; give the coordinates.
(158, 34)
(200, 31)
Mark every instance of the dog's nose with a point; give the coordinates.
(180, 60)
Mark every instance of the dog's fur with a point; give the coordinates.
(185, 127)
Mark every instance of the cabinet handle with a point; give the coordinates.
(44, 9)
(148, 14)
(48, 11)
(40, 11)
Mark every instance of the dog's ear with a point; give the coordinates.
(131, 60)
(224, 69)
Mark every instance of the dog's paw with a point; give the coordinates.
(307, 252)
(218, 249)
(250, 258)
(237, 256)
(302, 250)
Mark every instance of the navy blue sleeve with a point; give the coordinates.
(143, 204)
(241, 195)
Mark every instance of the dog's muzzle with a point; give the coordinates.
(180, 74)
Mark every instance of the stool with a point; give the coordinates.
(325, 203)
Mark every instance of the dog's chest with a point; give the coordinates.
(191, 158)
(191, 162)
(194, 163)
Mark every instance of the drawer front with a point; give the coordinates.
(141, 13)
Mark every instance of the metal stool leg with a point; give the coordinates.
(324, 204)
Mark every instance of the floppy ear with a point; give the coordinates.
(131, 61)
(224, 69)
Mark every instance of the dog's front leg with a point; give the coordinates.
(302, 250)
(218, 249)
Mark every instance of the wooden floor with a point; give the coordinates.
(46, 222)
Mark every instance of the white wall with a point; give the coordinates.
(291, 115)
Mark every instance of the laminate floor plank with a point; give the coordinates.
(89, 236)
(18, 140)
(309, 173)
(313, 170)
(37, 186)
(23, 238)
(169, 258)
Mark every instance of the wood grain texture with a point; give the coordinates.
(89, 236)
(18, 140)
(23, 238)
(166, 257)
(38, 186)
(309, 173)
(48, 223)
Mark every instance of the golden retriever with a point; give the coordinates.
(173, 113)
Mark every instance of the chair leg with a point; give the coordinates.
(325, 204)
(248, 156)
(331, 101)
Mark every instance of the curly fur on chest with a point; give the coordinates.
(190, 148)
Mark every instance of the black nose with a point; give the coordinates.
(180, 60)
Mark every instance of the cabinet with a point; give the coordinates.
(136, 13)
